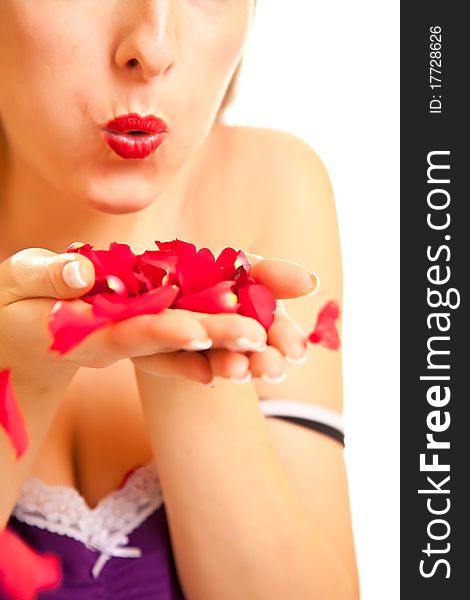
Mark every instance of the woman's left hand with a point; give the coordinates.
(285, 338)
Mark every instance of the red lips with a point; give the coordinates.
(133, 136)
(134, 122)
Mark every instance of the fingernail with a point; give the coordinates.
(198, 344)
(297, 361)
(210, 384)
(244, 379)
(72, 275)
(245, 344)
(316, 284)
(278, 379)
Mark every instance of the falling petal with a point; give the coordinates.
(325, 332)
(11, 417)
(23, 571)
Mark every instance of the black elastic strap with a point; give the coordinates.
(328, 430)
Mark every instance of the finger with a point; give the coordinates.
(231, 330)
(287, 336)
(182, 365)
(40, 273)
(285, 278)
(269, 365)
(233, 365)
(139, 336)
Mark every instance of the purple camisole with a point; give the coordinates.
(121, 549)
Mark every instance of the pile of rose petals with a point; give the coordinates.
(174, 276)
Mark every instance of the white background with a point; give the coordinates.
(328, 71)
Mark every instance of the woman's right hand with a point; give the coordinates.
(32, 280)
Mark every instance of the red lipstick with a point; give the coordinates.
(133, 136)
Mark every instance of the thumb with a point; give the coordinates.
(40, 273)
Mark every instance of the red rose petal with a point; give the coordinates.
(120, 261)
(23, 571)
(242, 278)
(153, 302)
(11, 417)
(110, 284)
(219, 299)
(79, 247)
(145, 284)
(207, 254)
(257, 302)
(197, 273)
(159, 267)
(325, 332)
(179, 247)
(69, 328)
(230, 260)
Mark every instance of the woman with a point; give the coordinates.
(254, 507)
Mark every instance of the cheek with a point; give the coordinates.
(214, 47)
(44, 66)
(210, 49)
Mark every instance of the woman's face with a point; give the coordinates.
(69, 66)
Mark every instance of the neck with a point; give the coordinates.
(33, 215)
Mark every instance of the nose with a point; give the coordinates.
(148, 41)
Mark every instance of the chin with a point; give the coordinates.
(118, 206)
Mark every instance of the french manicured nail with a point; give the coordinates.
(316, 285)
(72, 275)
(198, 344)
(277, 379)
(297, 361)
(244, 344)
(244, 379)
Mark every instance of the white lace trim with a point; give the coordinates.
(62, 509)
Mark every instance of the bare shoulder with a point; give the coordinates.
(291, 197)
(259, 172)
(265, 148)
(286, 175)
(269, 148)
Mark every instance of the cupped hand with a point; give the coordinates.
(238, 358)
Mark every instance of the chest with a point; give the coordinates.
(98, 434)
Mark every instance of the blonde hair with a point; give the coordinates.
(230, 93)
